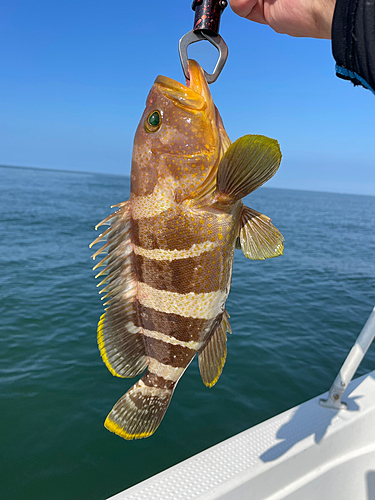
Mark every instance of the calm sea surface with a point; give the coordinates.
(293, 318)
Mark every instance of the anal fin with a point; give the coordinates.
(259, 239)
(212, 359)
(120, 341)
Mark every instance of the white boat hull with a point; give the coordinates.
(307, 453)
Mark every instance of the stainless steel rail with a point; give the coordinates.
(351, 364)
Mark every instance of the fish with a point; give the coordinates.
(169, 248)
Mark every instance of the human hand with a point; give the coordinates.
(303, 18)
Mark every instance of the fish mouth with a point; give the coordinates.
(195, 95)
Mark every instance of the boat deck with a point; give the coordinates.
(307, 453)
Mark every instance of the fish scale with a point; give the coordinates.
(170, 248)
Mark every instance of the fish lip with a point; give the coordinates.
(181, 94)
(194, 95)
(171, 84)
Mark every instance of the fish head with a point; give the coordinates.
(180, 138)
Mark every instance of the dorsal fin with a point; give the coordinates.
(212, 358)
(120, 342)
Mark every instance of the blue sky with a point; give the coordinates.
(74, 77)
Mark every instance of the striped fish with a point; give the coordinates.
(170, 247)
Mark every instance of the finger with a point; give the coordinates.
(243, 8)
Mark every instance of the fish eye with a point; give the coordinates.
(153, 121)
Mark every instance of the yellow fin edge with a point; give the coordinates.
(219, 372)
(102, 348)
(116, 429)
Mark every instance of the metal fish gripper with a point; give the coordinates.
(206, 27)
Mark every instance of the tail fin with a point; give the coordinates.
(139, 412)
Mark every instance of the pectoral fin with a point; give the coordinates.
(259, 239)
(247, 164)
(212, 358)
(120, 342)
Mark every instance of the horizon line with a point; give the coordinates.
(123, 175)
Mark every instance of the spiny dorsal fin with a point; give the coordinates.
(259, 239)
(247, 164)
(139, 412)
(212, 358)
(120, 342)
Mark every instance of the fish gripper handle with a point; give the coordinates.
(206, 27)
(207, 15)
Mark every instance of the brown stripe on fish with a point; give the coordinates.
(143, 178)
(190, 333)
(153, 198)
(173, 355)
(181, 328)
(153, 380)
(176, 230)
(194, 274)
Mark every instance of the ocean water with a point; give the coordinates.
(294, 318)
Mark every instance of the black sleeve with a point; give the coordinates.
(353, 41)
